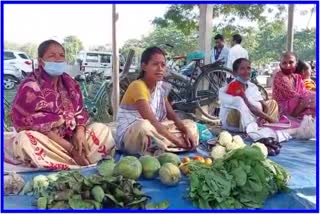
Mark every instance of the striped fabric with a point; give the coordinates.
(127, 115)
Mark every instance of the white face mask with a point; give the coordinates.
(241, 80)
(55, 68)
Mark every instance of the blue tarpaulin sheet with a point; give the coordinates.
(297, 157)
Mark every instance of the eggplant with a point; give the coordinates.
(271, 152)
(277, 150)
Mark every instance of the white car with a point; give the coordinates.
(18, 59)
(12, 77)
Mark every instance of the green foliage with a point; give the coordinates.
(72, 45)
(182, 43)
(243, 179)
(29, 48)
(185, 16)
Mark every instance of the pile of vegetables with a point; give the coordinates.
(225, 143)
(273, 146)
(241, 177)
(114, 186)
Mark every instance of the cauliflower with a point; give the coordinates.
(238, 140)
(236, 143)
(218, 152)
(53, 177)
(224, 138)
(40, 183)
(262, 147)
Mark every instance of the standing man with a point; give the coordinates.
(220, 51)
(237, 51)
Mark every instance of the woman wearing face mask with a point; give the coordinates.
(146, 120)
(49, 116)
(242, 103)
(289, 91)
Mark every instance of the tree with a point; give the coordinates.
(304, 44)
(31, 49)
(182, 43)
(185, 16)
(137, 45)
(72, 45)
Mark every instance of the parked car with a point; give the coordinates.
(12, 76)
(18, 59)
(97, 61)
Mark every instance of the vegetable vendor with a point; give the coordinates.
(146, 120)
(290, 92)
(52, 123)
(242, 102)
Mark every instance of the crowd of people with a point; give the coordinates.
(54, 129)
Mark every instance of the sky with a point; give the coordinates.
(92, 23)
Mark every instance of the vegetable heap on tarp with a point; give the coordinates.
(240, 178)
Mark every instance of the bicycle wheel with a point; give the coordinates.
(263, 92)
(103, 106)
(178, 89)
(124, 84)
(206, 90)
(7, 120)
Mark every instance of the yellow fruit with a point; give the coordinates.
(186, 159)
(208, 161)
(199, 158)
(184, 168)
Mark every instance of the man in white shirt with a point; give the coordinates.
(220, 51)
(237, 51)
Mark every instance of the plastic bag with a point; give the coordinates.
(205, 134)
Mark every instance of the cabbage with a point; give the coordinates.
(224, 138)
(262, 147)
(218, 152)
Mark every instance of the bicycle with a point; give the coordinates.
(189, 93)
(97, 105)
(7, 119)
(254, 80)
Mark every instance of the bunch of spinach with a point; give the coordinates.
(243, 179)
(72, 190)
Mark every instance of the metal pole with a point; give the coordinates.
(290, 27)
(115, 65)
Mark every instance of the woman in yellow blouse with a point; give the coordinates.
(304, 70)
(146, 120)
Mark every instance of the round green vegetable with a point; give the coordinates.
(169, 174)
(106, 168)
(168, 157)
(150, 166)
(129, 167)
(98, 193)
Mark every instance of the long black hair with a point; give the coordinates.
(301, 67)
(146, 57)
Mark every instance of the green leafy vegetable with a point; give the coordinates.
(243, 179)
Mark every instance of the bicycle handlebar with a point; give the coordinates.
(178, 57)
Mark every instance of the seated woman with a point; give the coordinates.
(52, 124)
(146, 120)
(289, 90)
(304, 69)
(241, 102)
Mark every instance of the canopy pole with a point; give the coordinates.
(290, 27)
(115, 65)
